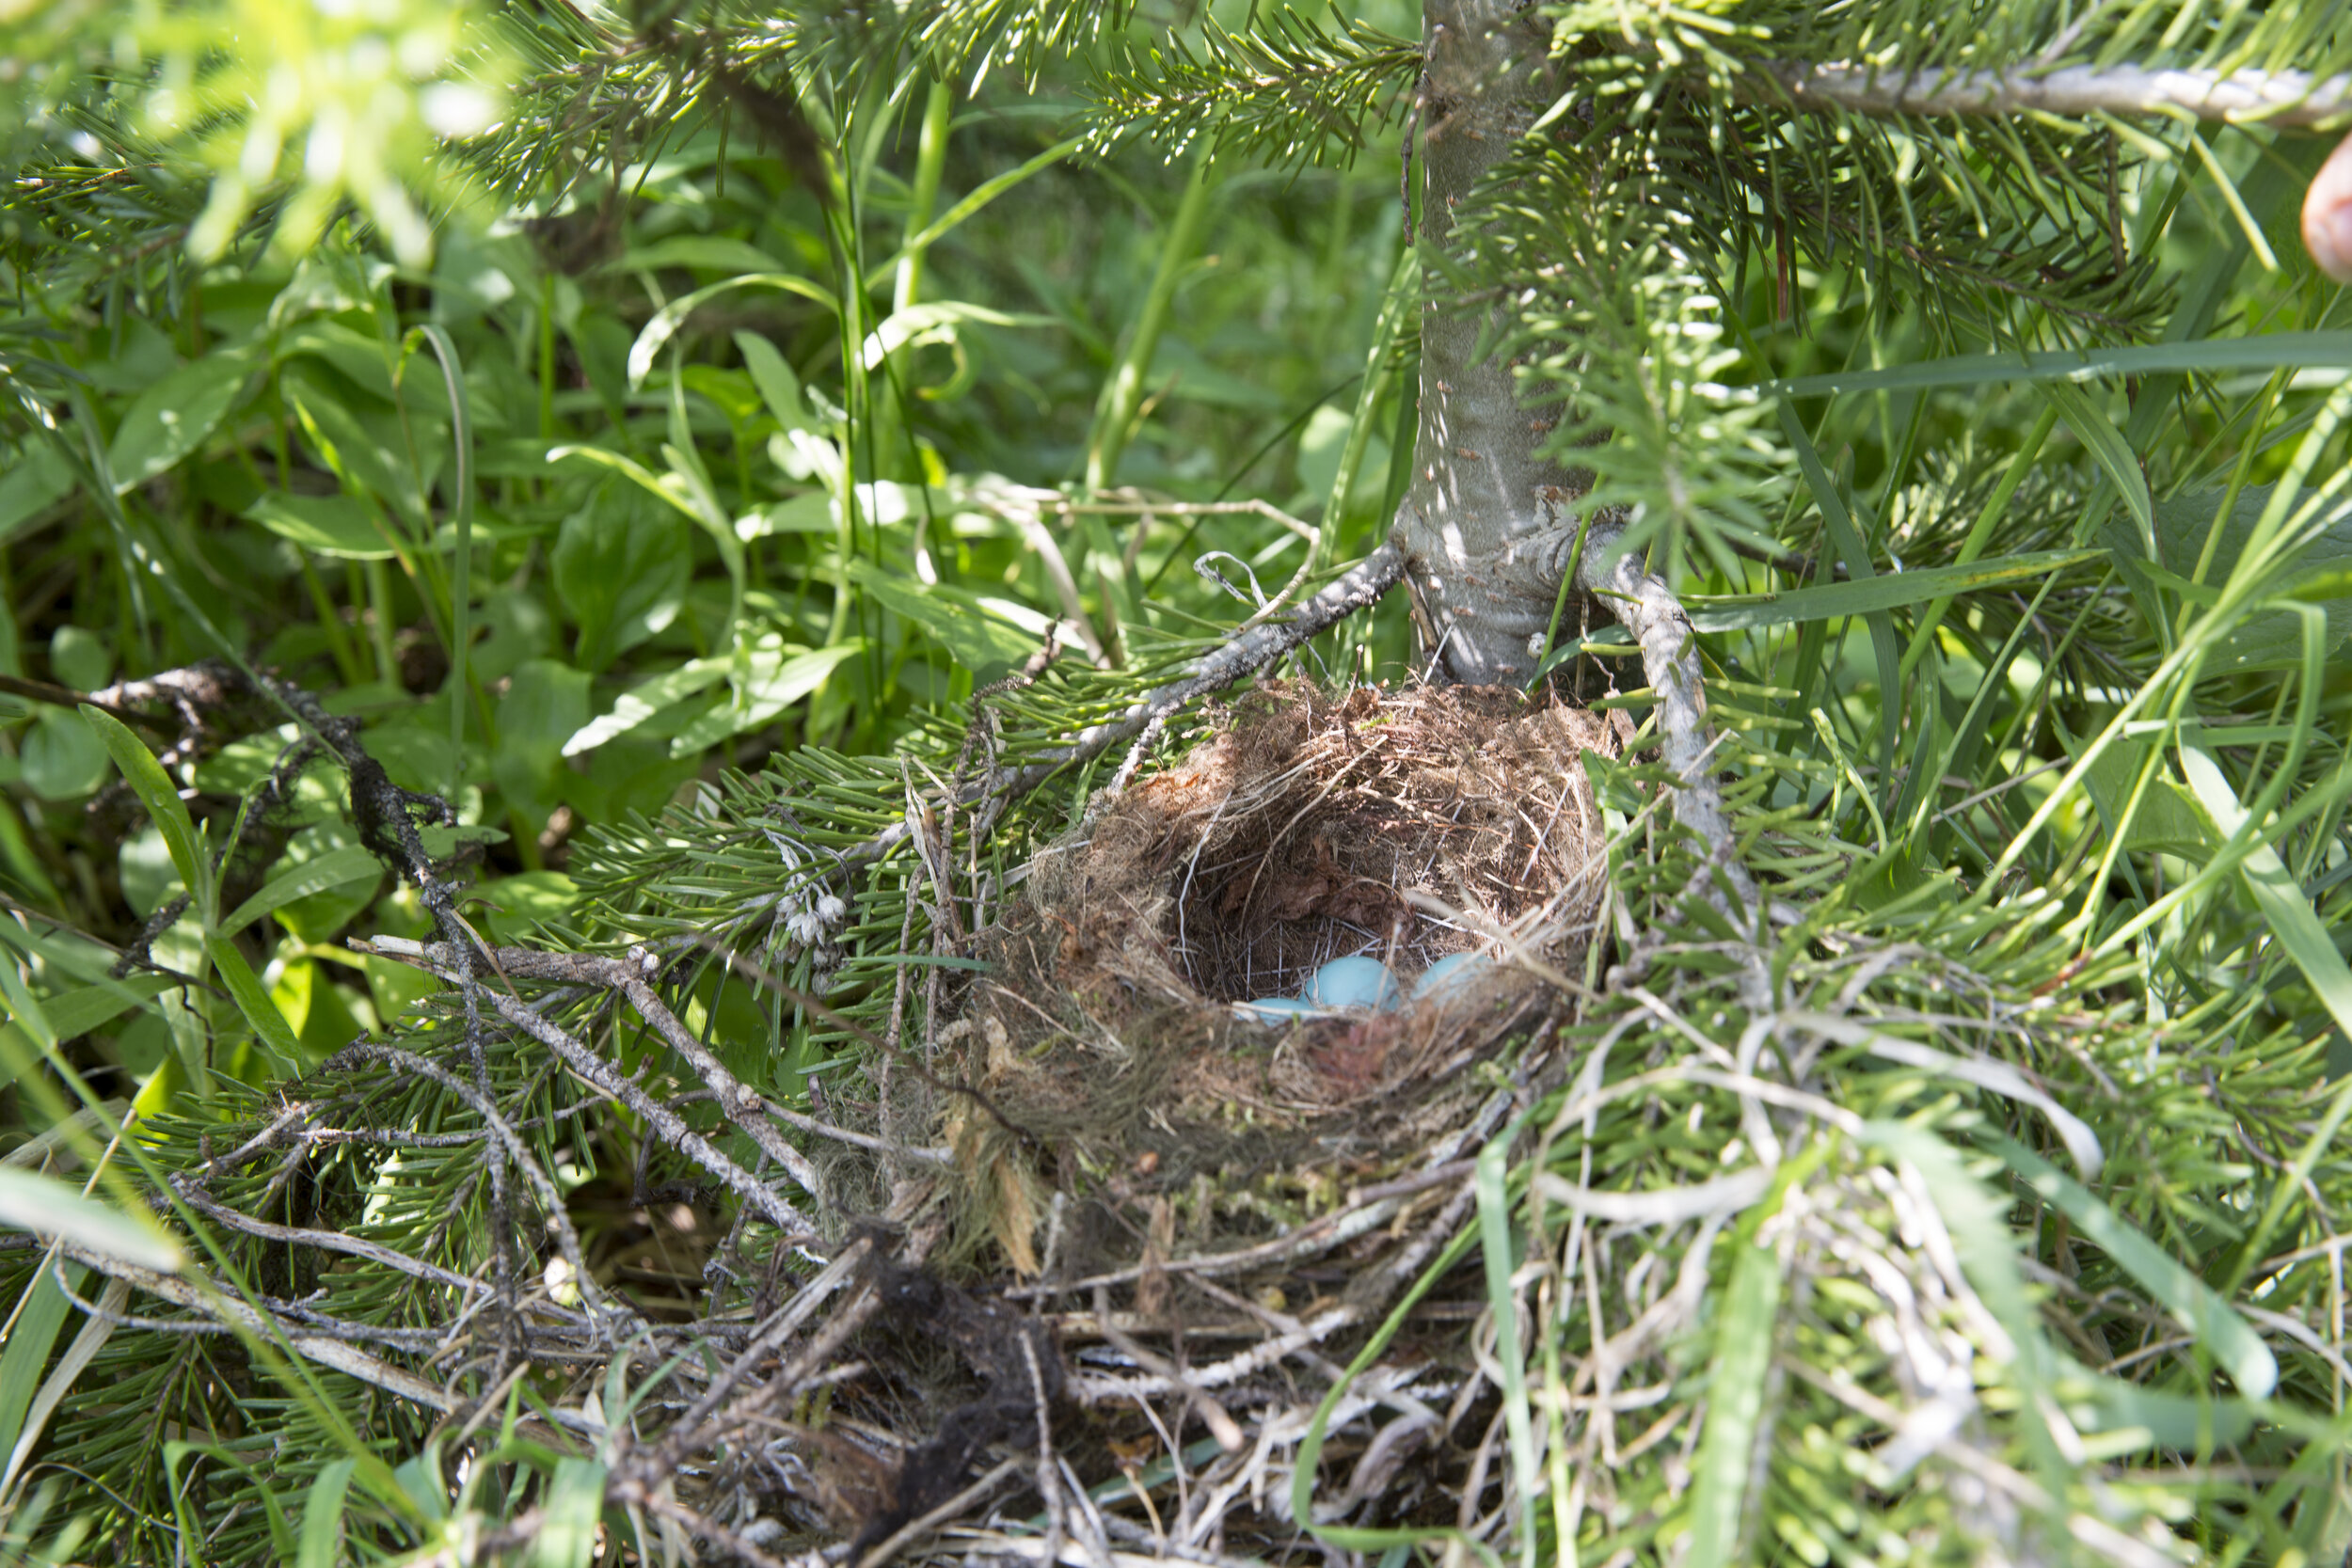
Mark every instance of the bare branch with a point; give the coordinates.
(1359, 587)
(219, 1307)
(328, 1240)
(602, 1075)
(1654, 617)
(2271, 98)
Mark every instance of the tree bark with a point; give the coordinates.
(1486, 528)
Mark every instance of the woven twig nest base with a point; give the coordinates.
(1402, 825)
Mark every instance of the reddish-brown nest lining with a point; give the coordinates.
(1315, 825)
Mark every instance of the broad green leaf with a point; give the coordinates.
(40, 479)
(176, 416)
(810, 512)
(515, 457)
(359, 359)
(1735, 1402)
(778, 386)
(62, 760)
(47, 1206)
(244, 989)
(419, 1482)
(1890, 591)
(707, 253)
(934, 322)
(317, 916)
(324, 525)
(781, 675)
(2271, 352)
(671, 488)
(640, 703)
(143, 868)
(2266, 639)
(2098, 435)
(620, 565)
(80, 657)
(984, 642)
(323, 1515)
(2108, 1405)
(2277, 894)
(370, 450)
(519, 904)
(2166, 821)
(733, 392)
(2228, 1337)
(156, 792)
(334, 869)
(546, 705)
(667, 320)
(574, 1504)
(79, 1011)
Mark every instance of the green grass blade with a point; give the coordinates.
(334, 869)
(667, 320)
(1494, 1236)
(1986, 1247)
(1735, 1402)
(574, 1501)
(2199, 1308)
(1122, 394)
(39, 1314)
(2104, 443)
(1856, 555)
(156, 792)
(1868, 595)
(2270, 352)
(461, 560)
(323, 1515)
(245, 988)
(47, 1206)
(95, 1331)
(2301, 931)
(982, 195)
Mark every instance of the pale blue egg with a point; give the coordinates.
(1356, 982)
(1274, 1009)
(1451, 974)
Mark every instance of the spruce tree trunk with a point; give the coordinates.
(1487, 526)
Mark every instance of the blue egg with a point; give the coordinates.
(1356, 982)
(1274, 1009)
(1451, 974)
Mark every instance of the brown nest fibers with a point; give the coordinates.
(1142, 1193)
(1402, 825)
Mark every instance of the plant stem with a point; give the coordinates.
(380, 621)
(930, 157)
(1115, 410)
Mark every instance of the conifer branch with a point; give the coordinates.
(2285, 98)
(1359, 587)
(1655, 619)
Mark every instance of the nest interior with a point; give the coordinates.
(1405, 825)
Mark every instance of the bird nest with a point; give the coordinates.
(1156, 1190)
(1144, 1004)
